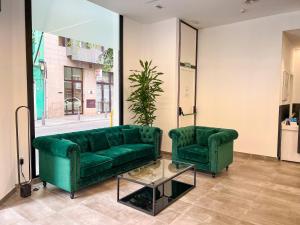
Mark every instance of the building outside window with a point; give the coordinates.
(79, 77)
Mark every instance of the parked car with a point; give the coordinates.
(72, 104)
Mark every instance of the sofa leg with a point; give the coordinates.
(213, 175)
(72, 193)
(44, 184)
(227, 167)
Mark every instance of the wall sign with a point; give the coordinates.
(91, 103)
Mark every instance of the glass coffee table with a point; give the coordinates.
(160, 185)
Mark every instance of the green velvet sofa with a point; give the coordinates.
(72, 161)
(210, 149)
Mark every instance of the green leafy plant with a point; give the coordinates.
(146, 87)
(107, 60)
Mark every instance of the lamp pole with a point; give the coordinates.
(43, 66)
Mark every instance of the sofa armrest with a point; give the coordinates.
(222, 137)
(55, 146)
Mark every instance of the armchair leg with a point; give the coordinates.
(72, 193)
(44, 184)
(213, 175)
(227, 167)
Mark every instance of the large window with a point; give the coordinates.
(75, 56)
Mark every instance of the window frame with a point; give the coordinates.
(30, 84)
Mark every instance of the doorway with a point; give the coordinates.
(187, 77)
(289, 107)
(73, 100)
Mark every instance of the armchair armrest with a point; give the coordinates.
(174, 134)
(182, 136)
(55, 146)
(222, 137)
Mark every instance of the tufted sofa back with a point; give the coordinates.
(114, 134)
(81, 137)
(147, 133)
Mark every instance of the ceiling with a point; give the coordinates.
(200, 13)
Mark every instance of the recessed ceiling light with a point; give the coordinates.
(250, 1)
(158, 6)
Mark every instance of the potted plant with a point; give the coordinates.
(146, 87)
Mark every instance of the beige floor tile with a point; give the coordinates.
(84, 215)
(10, 217)
(56, 219)
(252, 192)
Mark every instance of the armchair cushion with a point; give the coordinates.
(195, 153)
(132, 136)
(98, 141)
(91, 164)
(202, 136)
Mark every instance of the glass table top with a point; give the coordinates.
(156, 172)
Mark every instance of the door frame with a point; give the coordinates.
(29, 74)
(72, 86)
(196, 72)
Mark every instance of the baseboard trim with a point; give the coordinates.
(8, 195)
(14, 190)
(237, 154)
(165, 154)
(254, 156)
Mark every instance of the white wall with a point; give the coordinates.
(239, 79)
(13, 86)
(296, 73)
(6, 105)
(156, 42)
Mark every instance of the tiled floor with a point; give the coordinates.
(252, 192)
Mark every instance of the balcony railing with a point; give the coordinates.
(89, 55)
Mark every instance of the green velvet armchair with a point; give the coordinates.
(210, 149)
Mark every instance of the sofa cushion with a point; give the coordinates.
(91, 164)
(126, 153)
(141, 150)
(202, 136)
(132, 136)
(118, 154)
(114, 138)
(98, 141)
(196, 153)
